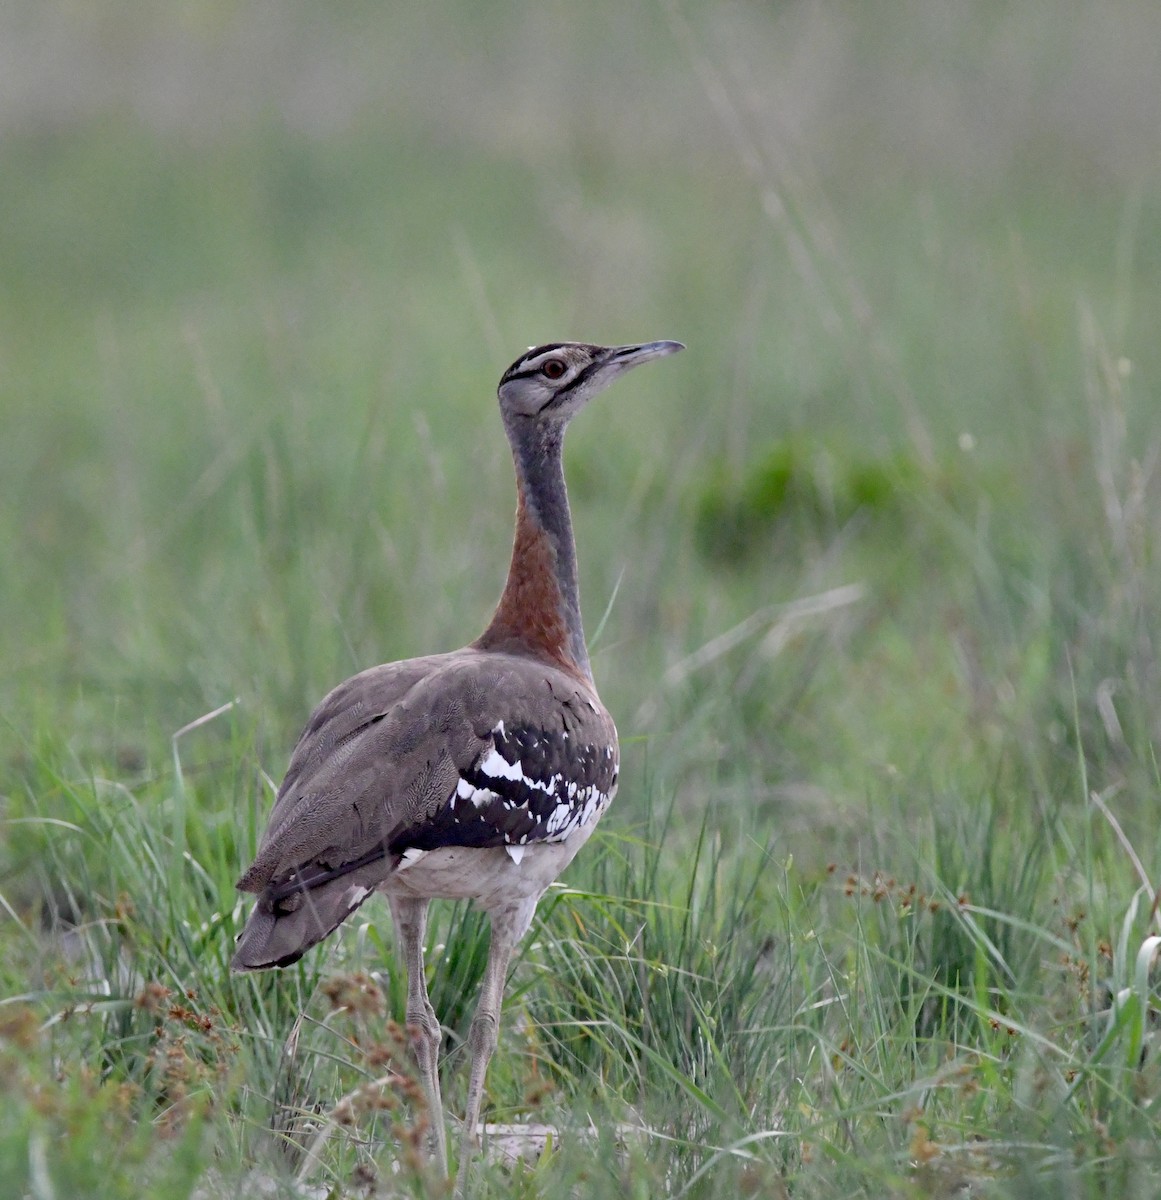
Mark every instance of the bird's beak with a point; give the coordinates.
(609, 363)
(632, 356)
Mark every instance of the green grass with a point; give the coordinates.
(872, 915)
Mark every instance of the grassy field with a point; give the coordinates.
(874, 566)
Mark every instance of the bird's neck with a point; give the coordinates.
(540, 607)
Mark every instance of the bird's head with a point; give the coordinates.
(551, 384)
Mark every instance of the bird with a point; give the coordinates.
(474, 775)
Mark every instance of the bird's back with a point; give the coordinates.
(471, 751)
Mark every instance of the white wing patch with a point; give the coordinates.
(498, 767)
(515, 853)
(478, 796)
(495, 764)
(410, 857)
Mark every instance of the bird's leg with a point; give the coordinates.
(422, 1024)
(508, 926)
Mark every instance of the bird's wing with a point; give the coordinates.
(541, 760)
(326, 745)
(464, 749)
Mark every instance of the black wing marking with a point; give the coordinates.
(530, 785)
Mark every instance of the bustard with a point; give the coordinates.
(472, 775)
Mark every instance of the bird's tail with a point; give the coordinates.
(287, 921)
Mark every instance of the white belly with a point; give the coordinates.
(489, 876)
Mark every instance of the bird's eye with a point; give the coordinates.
(553, 369)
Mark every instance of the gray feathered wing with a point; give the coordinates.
(463, 749)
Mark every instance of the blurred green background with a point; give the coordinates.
(262, 265)
(876, 554)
